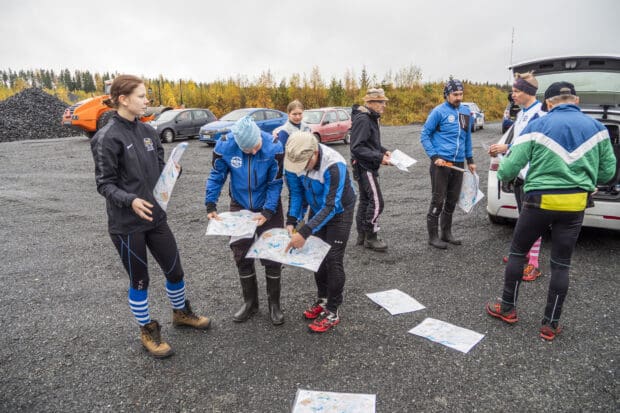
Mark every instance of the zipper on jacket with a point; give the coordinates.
(458, 137)
(250, 181)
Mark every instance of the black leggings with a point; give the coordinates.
(330, 277)
(532, 223)
(163, 247)
(446, 188)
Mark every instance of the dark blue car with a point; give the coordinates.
(266, 119)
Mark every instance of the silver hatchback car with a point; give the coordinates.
(597, 83)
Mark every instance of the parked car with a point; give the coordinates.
(329, 124)
(477, 114)
(181, 123)
(266, 119)
(597, 83)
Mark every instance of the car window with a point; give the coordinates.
(332, 117)
(235, 115)
(258, 115)
(272, 114)
(342, 115)
(185, 116)
(199, 114)
(312, 116)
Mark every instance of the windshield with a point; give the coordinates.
(235, 115)
(166, 116)
(312, 116)
(591, 87)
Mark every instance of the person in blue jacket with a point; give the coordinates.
(317, 176)
(446, 137)
(253, 159)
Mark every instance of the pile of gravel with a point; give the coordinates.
(32, 114)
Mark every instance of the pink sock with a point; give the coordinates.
(534, 251)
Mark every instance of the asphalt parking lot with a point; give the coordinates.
(69, 343)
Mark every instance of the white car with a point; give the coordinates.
(597, 83)
(477, 114)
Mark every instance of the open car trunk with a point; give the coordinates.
(597, 83)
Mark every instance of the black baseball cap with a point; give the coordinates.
(560, 89)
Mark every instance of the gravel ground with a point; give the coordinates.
(69, 343)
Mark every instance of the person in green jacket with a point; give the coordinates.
(569, 154)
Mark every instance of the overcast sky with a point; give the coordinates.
(209, 40)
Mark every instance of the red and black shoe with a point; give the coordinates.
(530, 273)
(326, 321)
(315, 309)
(494, 309)
(549, 331)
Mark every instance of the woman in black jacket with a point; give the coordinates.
(129, 159)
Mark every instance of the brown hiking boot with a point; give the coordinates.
(150, 335)
(186, 317)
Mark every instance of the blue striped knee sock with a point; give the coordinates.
(176, 294)
(139, 304)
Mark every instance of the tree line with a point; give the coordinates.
(410, 98)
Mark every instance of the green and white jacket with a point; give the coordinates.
(569, 154)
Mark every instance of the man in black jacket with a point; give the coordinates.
(367, 156)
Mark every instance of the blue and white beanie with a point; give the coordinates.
(453, 85)
(247, 133)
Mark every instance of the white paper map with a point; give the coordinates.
(395, 301)
(235, 224)
(449, 335)
(401, 160)
(309, 401)
(271, 244)
(168, 178)
(470, 191)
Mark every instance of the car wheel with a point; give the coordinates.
(347, 138)
(497, 220)
(104, 119)
(481, 126)
(167, 136)
(318, 137)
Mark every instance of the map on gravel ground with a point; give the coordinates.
(168, 178)
(272, 243)
(309, 401)
(239, 224)
(401, 160)
(449, 335)
(395, 301)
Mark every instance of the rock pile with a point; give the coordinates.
(32, 114)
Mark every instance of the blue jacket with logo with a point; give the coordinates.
(326, 189)
(447, 134)
(255, 180)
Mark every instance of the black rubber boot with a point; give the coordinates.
(361, 237)
(373, 242)
(250, 298)
(445, 223)
(273, 297)
(432, 222)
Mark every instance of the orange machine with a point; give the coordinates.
(90, 115)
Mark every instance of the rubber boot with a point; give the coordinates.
(250, 298)
(150, 335)
(432, 222)
(273, 297)
(361, 237)
(373, 242)
(445, 223)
